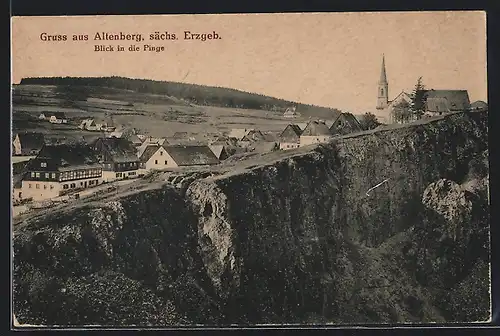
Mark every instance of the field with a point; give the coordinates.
(150, 114)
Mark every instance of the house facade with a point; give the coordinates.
(315, 132)
(438, 102)
(58, 118)
(118, 158)
(290, 137)
(157, 157)
(58, 169)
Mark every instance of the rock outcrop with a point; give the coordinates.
(373, 228)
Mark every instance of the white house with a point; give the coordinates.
(58, 118)
(58, 169)
(156, 157)
(315, 132)
(290, 137)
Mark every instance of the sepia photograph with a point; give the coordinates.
(246, 170)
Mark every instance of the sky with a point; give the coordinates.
(327, 59)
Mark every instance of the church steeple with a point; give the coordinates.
(383, 88)
(383, 76)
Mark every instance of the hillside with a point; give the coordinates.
(299, 236)
(190, 93)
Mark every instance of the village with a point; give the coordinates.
(47, 170)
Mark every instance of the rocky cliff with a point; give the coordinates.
(372, 228)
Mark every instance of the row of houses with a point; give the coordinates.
(317, 131)
(59, 169)
(54, 117)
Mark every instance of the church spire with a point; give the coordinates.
(383, 88)
(383, 76)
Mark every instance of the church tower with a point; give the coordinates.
(383, 88)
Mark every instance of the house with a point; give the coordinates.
(58, 118)
(129, 134)
(315, 132)
(118, 158)
(157, 157)
(42, 116)
(263, 146)
(58, 169)
(219, 151)
(344, 124)
(18, 171)
(253, 135)
(90, 125)
(290, 137)
(479, 105)
(438, 102)
(290, 112)
(150, 141)
(28, 143)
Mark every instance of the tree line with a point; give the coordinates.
(191, 93)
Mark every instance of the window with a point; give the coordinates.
(73, 185)
(81, 184)
(44, 186)
(65, 186)
(53, 175)
(51, 187)
(47, 175)
(37, 174)
(43, 164)
(32, 174)
(166, 162)
(29, 185)
(156, 161)
(37, 186)
(161, 153)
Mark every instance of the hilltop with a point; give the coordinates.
(196, 94)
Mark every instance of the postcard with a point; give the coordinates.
(225, 170)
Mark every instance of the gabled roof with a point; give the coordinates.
(31, 141)
(447, 100)
(302, 126)
(58, 115)
(253, 135)
(191, 155)
(148, 152)
(291, 133)
(316, 128)
(65, 155)
(345, 123)
(120, 150)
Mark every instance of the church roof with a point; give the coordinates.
(383, 75)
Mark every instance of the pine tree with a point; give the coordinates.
(417, 106)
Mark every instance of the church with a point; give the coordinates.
(436, 102)
(384, 105)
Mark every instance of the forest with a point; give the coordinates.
(191, 93)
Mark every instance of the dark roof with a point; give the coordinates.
(19, 167)
(446, 100)
(31, 141)
(291, 133)
(66, 155)
(479, 104)
(118, 149)
(148, 152)
(345, 123)
(315, 128)
(191, 155)
(58, 115)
